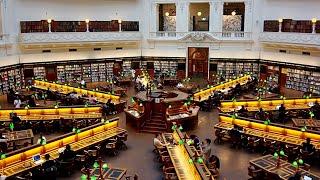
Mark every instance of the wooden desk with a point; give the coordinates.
(64, 89)
(204, 95)
(309, 123)
(135, 117)
(18, 163)
(17, 136)
(110, 173)
(180, 155)
(188, 119)
(269, 165)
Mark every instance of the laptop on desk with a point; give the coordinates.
(37, 159)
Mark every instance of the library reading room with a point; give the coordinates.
(159, 90)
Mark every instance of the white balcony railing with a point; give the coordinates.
(71, 37)
(290, 38)
(200, 35)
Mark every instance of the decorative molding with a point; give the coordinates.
(290, 38)
(66, 37)
(198, 36)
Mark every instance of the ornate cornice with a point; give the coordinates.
(66, 37)
(290, 38)
(197, 37)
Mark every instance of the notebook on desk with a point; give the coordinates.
(307, 178)
(37, 159)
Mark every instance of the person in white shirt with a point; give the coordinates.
(17, 102)
(158, 144)
(180, 85)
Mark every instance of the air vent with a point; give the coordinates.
(282, 51)
(97, 49)
(306, 53)
(118, 48)
(72, 50)
(46, 51)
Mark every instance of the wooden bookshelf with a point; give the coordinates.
(288, 25)
(68, 26)
(34, 26)
(130, 26)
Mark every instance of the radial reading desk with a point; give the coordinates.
(269, 105)
(180, 155)
(204, 95)
(280, 133)
(37, 114)
(64, 89)
(21, 161)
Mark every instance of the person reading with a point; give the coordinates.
(157, 142)
(67, 155)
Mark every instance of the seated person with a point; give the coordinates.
(3, 144)
(260, 114)
(67, 154)
(31, 101)
(49, 168)
(92, 100)
(206, 148)
(111, 106)
(15, 118)
(196, 141)
(282, 113)
(157, 142)
(213, 164)
(243, 111)
(180, 85)
(308, 147)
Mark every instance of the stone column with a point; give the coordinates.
(182, 13)
(248, 16)
(216, 13)
(154, 17)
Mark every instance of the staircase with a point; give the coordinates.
(156, 124)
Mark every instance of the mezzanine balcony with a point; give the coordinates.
(77, 37)
(200, 36)
(308, 39)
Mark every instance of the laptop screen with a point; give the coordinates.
(36, 157)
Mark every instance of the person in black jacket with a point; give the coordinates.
(67, 155)
(49, 168)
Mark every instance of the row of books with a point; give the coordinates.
(302, 80)
(77, 26)
(11, 79)
(230, 70)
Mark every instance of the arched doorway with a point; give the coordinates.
(198, 62)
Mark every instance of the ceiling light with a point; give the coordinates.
(167, 14)
(280, 20)
(87, 21)
(49, 21)
(233, 13)
(199, 13)
(203, 19)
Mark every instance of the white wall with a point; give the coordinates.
(140, 10)
(291, 9)
(73, 10)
